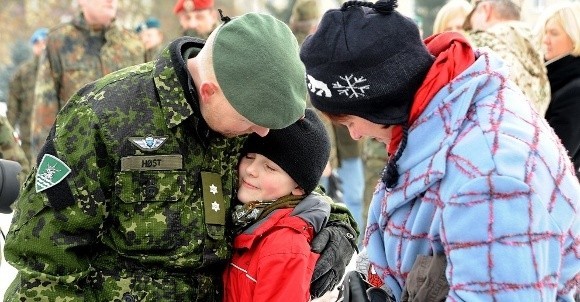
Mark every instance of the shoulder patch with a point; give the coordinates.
(51, 171)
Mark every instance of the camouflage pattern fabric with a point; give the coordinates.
(513, 41)
(103, 234)
(123, 225)
(20, 101)
(10, 149)
(375, 157)
(76, 55)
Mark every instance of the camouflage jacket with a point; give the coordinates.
(141, 215)
(513, 41)
(138, 217)
(10, 149)
(20, 100)
(76, 55)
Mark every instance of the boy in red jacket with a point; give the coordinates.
(272, 260)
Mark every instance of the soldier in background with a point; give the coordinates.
(497, 25)
(197, 18)
(150, 33)
(10, 149)
(78, 52)
(21, 91)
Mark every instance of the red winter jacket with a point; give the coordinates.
(273, 262)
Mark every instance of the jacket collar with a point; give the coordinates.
(435, 132)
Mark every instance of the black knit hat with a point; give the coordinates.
(301, 149)
(365, 59)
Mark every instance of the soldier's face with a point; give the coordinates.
(262, 179)
(201, 21)
(99, 12)
(151, 37)
(224, 119)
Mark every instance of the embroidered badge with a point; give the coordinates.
(215, 206)
(149, 143)
(51, 171)
(318, 87)
(353, 86)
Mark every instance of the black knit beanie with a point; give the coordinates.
(301, 149)
(365, 59)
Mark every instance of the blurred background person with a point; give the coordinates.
(197, 18)
(497, 24)
(451, 16)
(151, 35)
(78, 52)
(560, 35)
(21, 91)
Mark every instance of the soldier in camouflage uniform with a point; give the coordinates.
(497, 25)
(21, 91)
(197, 18)
(130, 199)
(150, 33)
(78, 52)
(10, 149)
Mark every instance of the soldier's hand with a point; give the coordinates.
(336, 244)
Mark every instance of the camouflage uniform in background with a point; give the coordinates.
(10, 149)
(375, 157)
(142, 214)
(513, 41)
(20, 101)
(76, 55)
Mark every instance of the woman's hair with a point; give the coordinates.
(566, 15)
(449, 11)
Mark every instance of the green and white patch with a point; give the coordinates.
(50, 172)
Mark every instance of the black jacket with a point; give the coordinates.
(564, 109)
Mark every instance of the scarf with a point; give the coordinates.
(245, 214)
(453, 55)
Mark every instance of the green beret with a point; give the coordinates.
(257, 65)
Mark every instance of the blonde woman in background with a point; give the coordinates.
(451, 16)
(560, 36)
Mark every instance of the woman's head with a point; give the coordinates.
(560, 31)
(451, 16)
(366, 60)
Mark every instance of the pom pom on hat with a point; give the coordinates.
(302, 149)
(366, 59)
(256, 63)
(191, 5)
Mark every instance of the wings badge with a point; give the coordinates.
(149, 143)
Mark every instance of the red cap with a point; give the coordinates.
(191, 5)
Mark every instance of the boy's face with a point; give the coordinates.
(261, 179)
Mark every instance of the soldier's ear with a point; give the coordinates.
(207, 90)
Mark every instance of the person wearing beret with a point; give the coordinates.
(132, 195)
(197, 18)
(477, 183)
(151, 35)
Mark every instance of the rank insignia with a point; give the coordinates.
(213, 199)
(149, 143)
(51, 171)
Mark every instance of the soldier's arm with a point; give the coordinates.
(13, 101)
(10, 149)
(58, 216)
(46, 103)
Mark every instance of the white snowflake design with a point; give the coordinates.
(353, 86)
